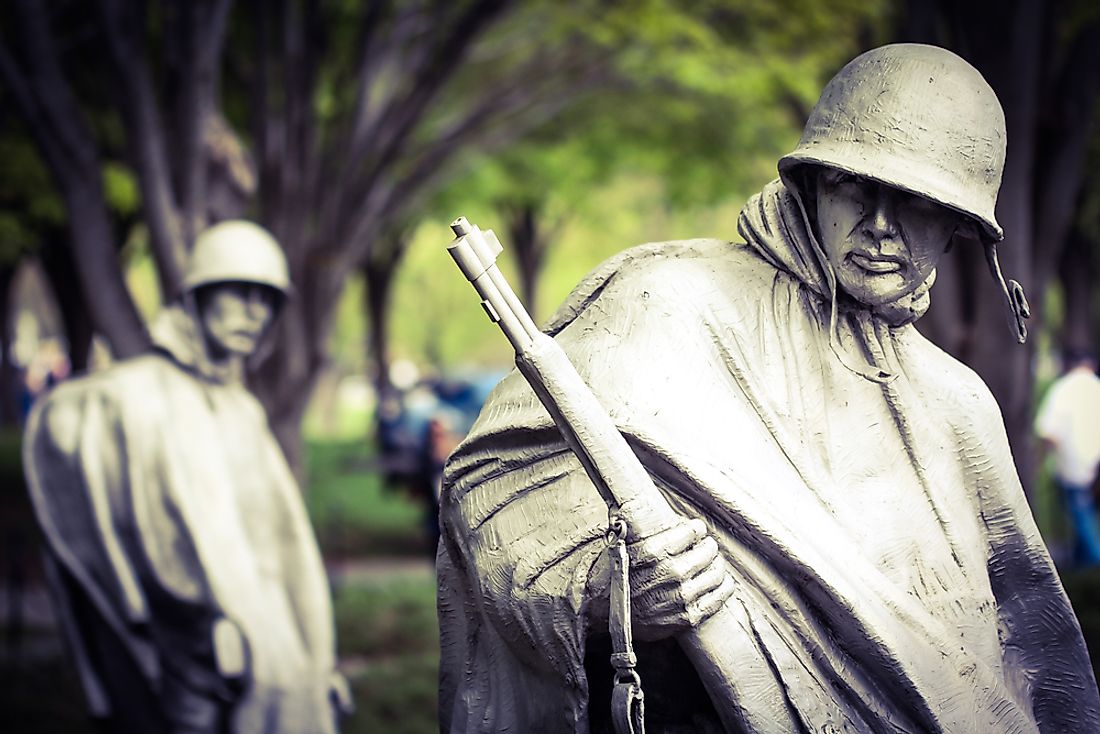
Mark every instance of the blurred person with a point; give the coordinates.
(48, 367)
(182, 563)
(1068, 422)
(847, 491)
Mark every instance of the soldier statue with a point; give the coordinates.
(180, 556)
(845, 499)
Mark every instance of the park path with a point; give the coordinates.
(378, 568)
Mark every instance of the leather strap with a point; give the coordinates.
(627, 699)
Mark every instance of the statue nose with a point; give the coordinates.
(881, 222)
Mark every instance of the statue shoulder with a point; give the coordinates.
(679, 271)
(129, 386)
(948, 381)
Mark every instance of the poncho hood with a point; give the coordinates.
(774, 222)
(177, 334)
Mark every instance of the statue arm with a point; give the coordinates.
(74, 471)
(528, 541)
(75, 475)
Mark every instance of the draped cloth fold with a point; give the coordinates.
(889, 574)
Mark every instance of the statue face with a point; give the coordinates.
(234, 316)
(882, 242)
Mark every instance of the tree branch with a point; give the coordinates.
(387, 137)
(44, 97)
(201, 36)
(514, 109)
(124, 32)
(67, 145)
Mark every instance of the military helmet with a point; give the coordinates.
(917, 118)
(237, 251)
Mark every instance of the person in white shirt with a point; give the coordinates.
(1068, 422)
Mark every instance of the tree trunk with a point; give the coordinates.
(378, 276)
(1077, 270)
(112, 311)
(529, 244)
(55, 120)
(57, 262)
(1005, 44)
(283, 377)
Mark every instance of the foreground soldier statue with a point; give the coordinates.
(846, 488)
(185, 570)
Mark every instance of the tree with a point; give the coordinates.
(351, 111)
(66, 143)
(705, 96)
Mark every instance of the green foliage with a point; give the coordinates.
(435, 316)
(353, 511)
(28, 201)
(706, 95)
(346, 340)
(141, 273)
(120, 188)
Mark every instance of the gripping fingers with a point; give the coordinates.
(676, 570)
(670, 542)
(677, 595)
(666, 617)
(709, 603)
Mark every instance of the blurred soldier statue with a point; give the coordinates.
(183, 564)
(846, 493)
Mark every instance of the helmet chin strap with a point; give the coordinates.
(1013, 293)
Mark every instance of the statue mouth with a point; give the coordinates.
(876, 265)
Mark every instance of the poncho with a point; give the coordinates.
(889, 576)
(171, 518)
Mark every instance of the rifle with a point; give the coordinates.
(616, 472)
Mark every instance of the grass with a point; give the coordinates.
(389, 648)
(352, 509)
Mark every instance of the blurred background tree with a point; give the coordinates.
(335, 123)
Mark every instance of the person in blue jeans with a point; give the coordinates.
(1068, 425)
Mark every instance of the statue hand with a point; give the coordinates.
(677, 580)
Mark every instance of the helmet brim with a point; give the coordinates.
(917, 179)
